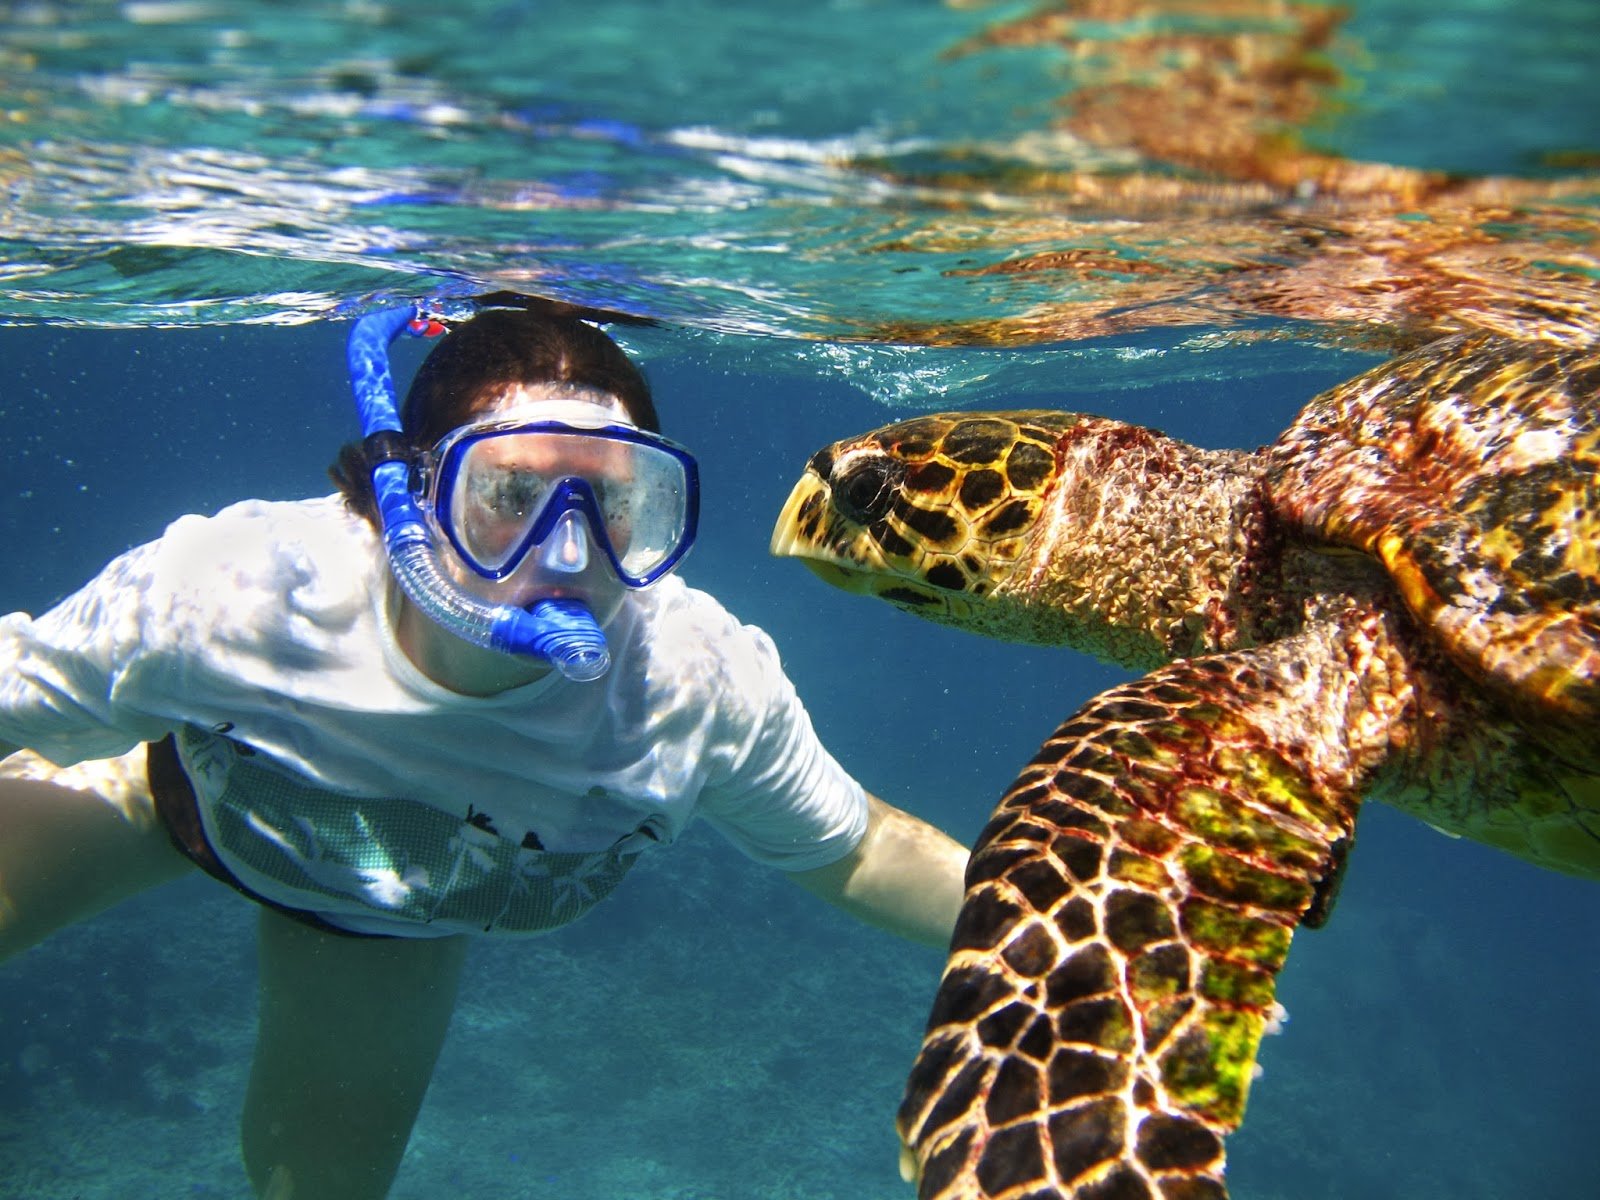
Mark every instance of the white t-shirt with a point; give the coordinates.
(271, 623)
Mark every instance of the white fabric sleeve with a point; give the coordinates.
(59, 672)
(787, 802)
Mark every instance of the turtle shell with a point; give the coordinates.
(1471, 469)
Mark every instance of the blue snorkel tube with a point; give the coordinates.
(562, 631)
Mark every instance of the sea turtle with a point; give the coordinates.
(1399, 599)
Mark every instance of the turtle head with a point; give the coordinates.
(935, 514)
(1031, 526)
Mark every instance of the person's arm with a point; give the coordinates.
(58, 670)
(904, 876)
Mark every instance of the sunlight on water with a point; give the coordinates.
(997, 177)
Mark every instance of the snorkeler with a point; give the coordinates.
(462, 697)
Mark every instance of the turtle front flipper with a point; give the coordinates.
(1127, 911)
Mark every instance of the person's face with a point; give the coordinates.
(514, 476)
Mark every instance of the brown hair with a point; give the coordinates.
(480, 360)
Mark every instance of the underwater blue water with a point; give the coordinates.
(710, 1033)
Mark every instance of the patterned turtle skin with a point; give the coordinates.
(1399, 599)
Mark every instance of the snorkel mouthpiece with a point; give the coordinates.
(561, 631)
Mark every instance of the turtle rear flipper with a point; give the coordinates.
(1128, 909)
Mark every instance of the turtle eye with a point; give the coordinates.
(865, 487)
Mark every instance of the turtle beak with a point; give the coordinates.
(809, 526)
(843, 578)
(808, 495)
(811, 529)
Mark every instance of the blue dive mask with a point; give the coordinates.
(505, 487)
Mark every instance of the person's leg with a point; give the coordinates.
(350, 1029)
(74, 841)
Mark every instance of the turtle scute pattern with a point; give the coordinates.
(1472, 471)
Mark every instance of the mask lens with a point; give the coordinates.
(646, 515)
(495, 502)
